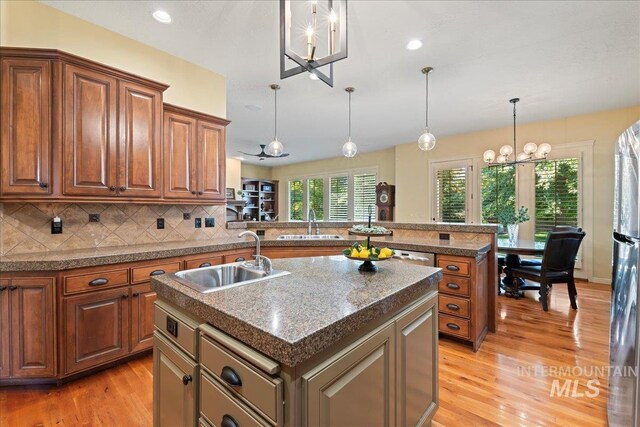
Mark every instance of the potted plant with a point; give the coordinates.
(511, 220)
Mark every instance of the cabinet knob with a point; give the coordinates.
(43, 185)
(135, 294)
(2, 288)
(199, 193)
(13, 287)
(112, 188)
(122, 189)
(124, 296)
(231, 377)
(228, 421)
(193, 192)
(187, 379)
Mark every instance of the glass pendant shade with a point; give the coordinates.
(506, 150)
(489, 156)
(530, 147)
(349, 149)
(522, 156)
(544, 149)
(501, 159)
(427, 141)
(275, 148)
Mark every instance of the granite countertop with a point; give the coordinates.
(64, 260)
(291, 318)
(435, 226)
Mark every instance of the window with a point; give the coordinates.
(498, 190)
(339, 198)
(556, 195)
(364, 195)
(316, 196)
(451, 195)
(296, 207)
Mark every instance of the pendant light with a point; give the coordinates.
(275, 147)
(427, 141)
(349, 149)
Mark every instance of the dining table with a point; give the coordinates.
(513, 250)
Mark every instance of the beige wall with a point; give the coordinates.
(255, 171)
(234, 174)
(32, 24)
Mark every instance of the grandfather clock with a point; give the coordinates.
(385, 201)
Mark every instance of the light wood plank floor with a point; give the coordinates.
(481, 389)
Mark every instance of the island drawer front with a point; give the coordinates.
(216, 403)
(454, 326)
(203, 262)
(143, 274)
(265, 393)
(454, 306)
(96, 280)
(453, 285)
(176, 328)
(454, 265)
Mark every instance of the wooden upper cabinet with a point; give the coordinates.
(90, 135)
(140, 157)
(26, 127)
(179, 156)
(211, 160)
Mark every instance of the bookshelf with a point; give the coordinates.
(261, 199)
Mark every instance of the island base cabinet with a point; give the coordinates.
(174, 385)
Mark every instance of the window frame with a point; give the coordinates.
(435, 167)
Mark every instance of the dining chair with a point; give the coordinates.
(558, 262)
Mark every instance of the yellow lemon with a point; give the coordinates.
(355, 253)
(382, 255)
(386, 252)
(364, 253)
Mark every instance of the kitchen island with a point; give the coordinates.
(325, 345)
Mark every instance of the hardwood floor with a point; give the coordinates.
(476, 389)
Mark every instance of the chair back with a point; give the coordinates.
(566, 228)
(561, 250)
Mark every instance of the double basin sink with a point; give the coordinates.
(218, 277)
(310, 237)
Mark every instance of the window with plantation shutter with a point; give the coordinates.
(498, 190)
(296, 205)
(339, 198)
(451, 195)
(316, 196)
(364, 195)
(557, 199)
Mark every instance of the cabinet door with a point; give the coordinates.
(142, 299)
(355, 388)
(417, 385)
(96, 328)
(89, 132)
(140, 141)
(4, 328)
(211, 161)
(32, 328)
(179, 156)
(174, 375)
(26, 127)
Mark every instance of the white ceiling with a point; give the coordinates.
(561, 58)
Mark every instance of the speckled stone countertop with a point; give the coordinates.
(64, 260)
(444, 227)
(291, 318)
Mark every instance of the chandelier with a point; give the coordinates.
(334, 17)
(531, 152)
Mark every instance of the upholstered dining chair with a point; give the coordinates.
(558, 262)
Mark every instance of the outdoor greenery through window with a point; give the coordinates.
(339, 198)
(451, 195)
(316, 197)
(557, 201)
(364, 189)
(498, 188)
(296, 200)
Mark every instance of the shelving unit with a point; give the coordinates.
(261, 199)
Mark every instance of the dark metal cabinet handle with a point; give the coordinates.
(13, 288)
(231, 377)
(99, 281)
(43, 185)
(156, 272)
(200, 193)
(453, 307)
(122, 189)
(453, 326)
(205, 264)
(453, 268)
(240, 258)
(124, 296)
(135, 294)
(112, 188)
(193, 192)
(453, 286)
(228, 421)
(187, 379)
(2, 288)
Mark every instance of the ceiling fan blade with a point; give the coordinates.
(248, 154)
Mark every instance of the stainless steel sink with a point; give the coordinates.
(310, 237)
(218, 277)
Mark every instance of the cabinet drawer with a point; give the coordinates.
(142, 274)
(216, 405)
(260, 390)
(179, 329)
(456, 266)
(96, 280)
(239, 256)
(203, 262)
(454, 285)
(453, 326)
(453, 305)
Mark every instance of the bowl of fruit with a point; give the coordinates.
(361, 252)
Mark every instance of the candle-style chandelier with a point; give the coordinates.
(307, 21)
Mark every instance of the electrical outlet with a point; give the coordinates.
(160, 223)
(209, 222)
(444, 236)
(94, 217)
(198, 222)
(56, 225)
(186, 216)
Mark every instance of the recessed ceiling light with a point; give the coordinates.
(252, 107)
(314, 76)
(162, 16)
(414, 44)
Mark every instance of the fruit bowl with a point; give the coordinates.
(359, 252)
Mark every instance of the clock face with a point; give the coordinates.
(384, 197)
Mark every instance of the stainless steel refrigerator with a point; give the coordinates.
(624, 345)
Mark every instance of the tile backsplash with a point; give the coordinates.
(26, 227)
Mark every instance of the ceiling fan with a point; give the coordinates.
(263, 155)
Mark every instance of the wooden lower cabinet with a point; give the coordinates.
(142, 300)
(175, 381)
(96, 328)
(5, 370)
(293, 252)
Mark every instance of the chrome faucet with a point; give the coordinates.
(262, 262)
(312, 219)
